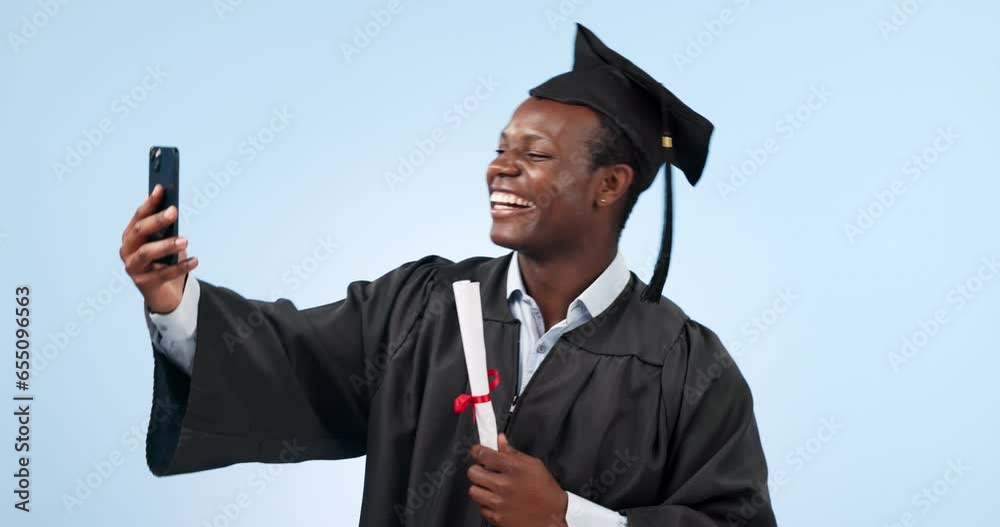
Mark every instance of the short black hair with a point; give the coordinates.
(610, 146)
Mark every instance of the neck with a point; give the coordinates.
(555, 280)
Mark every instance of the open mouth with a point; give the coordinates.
(505, 201)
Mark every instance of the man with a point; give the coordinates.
(615, 407)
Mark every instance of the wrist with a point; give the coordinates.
(160, 310)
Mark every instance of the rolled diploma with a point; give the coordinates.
(470, 322)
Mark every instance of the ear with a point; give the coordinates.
(613, 184)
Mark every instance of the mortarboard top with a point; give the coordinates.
(661, 127)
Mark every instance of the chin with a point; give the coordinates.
(504, 236)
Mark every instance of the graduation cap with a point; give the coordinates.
(663, 129)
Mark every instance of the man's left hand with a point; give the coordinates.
(515, 489)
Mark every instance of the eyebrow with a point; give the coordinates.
(527, 137)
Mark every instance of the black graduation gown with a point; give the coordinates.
(641, 409)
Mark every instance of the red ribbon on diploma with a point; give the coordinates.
(464, 400)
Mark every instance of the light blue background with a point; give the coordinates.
(826, 357)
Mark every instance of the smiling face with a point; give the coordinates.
(545, 195)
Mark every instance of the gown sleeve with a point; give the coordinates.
(718, 474)
(274, 383)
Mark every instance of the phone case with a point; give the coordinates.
(164, 164)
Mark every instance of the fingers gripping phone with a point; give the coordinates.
(164, 163)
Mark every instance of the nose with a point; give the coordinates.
(503, 165)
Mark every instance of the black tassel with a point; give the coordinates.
(654, 290)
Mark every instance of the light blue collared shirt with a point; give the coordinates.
(535, 341)
(173, 334)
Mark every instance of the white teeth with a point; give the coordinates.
(507, 197)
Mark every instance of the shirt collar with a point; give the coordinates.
(596, 297)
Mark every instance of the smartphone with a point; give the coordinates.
(163, 169)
